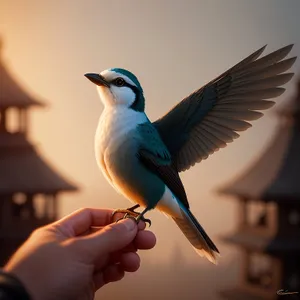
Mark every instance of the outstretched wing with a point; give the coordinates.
(156, 157)
(209, 118)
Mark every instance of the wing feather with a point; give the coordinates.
(251, 85)
(210, 117)
(271, 58)
(236, 114)
(237, 125)
(200, 150)
(261, 72)
(224, 138)
(208, 144)
(254, 95)
(256, 105)
(216, 141)
(226, 131)
(202, 147)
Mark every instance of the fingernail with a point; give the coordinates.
(130, 224)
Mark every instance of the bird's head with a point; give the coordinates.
(119, 87)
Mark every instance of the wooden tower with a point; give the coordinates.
(268, 230)
(29, 187)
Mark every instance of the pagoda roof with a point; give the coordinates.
(274, 176)
(12, 94)
(23, 170)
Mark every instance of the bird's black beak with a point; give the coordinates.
(97, 79)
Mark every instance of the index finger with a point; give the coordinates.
(82, 219)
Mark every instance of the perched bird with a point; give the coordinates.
(142, 159)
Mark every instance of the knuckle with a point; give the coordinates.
(38, 231)
(83, 210)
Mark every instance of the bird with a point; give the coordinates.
(142, 159)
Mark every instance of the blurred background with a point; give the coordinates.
(173, 47)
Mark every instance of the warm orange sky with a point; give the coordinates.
(173, 47)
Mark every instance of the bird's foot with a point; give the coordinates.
(141, 217)
(131, 213)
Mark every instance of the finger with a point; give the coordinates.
(111, 238)
(145, 240)
(118, 216)
(93, 229)
(130, 261)
(116, 256)
(81, 220)
(111, 273)
(141, 225)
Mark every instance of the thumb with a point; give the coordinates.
(111, 238)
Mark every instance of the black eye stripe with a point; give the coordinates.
(139, 101)
(124, 83)
(133, 88)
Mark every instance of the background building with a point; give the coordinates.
(269, 214)
(29, 186)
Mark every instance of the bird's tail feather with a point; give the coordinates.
(197, 236)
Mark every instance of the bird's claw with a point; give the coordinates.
(130, 213)
(127, 213)
(126, 216)
(140, 217)
(147, 221)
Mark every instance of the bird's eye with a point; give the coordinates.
(119, 81)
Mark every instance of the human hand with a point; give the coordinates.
(77, 255)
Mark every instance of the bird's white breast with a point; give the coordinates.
(114, 125)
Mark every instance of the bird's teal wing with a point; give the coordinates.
(209, 118)
(156, 157)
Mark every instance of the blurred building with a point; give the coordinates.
(268, 231)
(29, 187)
